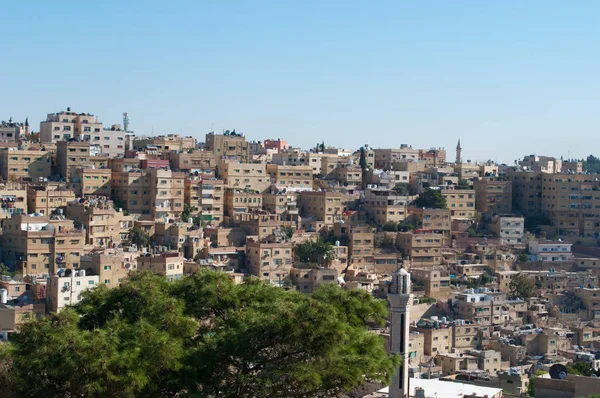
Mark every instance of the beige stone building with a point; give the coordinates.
(13, 199)
(385, 158)
(493, 196)
(91, 181)
(307, 280)
(232, 146)
(66, 289)
(251, 176)
(508, 228)
(65, 125)
(460, 202)
(283, 204)
(324, 205)
(424, 249)
(435, 279)
(165, 143)
(71, 155)
(384, 205)
(39, 245)
(104, 226)
(201, 162)
(238, 201)
(434, 220)
(167, 264)
(361, 243)
(25, 165)
(208, 196)
(48, 197)
(13, 131)
(111, 266)
(291, 177)
(269, 261)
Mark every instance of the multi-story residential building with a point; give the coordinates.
(65, 289)
(434, 220)
(548, 251)
(435, 279)
(385, 158)
(544, 164)
(201, 162)
(269, 261)
(40, 245)
(361, 243)
(278, 145)
(13, 131)
(228, 146)
(460, 202)
(329, 164)
(384, 205)
(208, 196)
(66, 125)
(493, 196)
(424, 249)
(112, 266)
(88, 181)
(260, 224)
(527, 192)
(282, 203)
(433, 156)
(13, 200)
(348, 176)
(159, 193)
(307, 280)
(167, 264)
(104, 226)
(572, 166)
(481, 306)
(49, 197)
(25, 165)
(291, 177)
(324, 205)
(165, 143)
(244, 175)
(508, 228)
(71, 155)
(241, 201)
(296, 157)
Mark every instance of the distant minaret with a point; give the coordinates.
(458, 153)
(400, 298)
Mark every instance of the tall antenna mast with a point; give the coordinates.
(125, 121)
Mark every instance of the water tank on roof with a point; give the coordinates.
(81, 272)
(3, 296)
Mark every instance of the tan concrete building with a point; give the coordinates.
(508, 228)
(251, 176)
(283, 204)
(111, 266)
(165, 143)
(168, 264)
(25, 165)
(65, 290)
(493, 196)
(424, 249)
(13, 199)
(434, 220)
(208, 196)
(527, 192)
(49, 197)
(361, 243)
(237, 201)
(269, 261)
(324, 205)
(13, 131)
(383, 205)
(39, 245)
(460, 202)
(291, 177)
(201, 162)
(385, 158)
(104, 226)
(91, 181)
(307, 280)
(231, 146)
(435, 279)
(71, 155)
(66, 125)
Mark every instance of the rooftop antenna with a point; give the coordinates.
(125, 121)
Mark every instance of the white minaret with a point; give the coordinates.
(458, 153)
(400, 298)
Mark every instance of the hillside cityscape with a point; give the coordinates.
(166, 265)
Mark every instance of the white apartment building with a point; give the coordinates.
(550, 251)
(63, 291)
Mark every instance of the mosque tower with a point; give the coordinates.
(400, 298)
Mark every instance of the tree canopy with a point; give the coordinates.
(431, 198)
(591, 164)
(314, 252)
(139, 237)
(201, 336)
(522, 286)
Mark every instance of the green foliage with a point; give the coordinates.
(523, 257)
(406, 225)
(531, 384)
(363, 159)
(402, 189)
(591, 164)
(119, 204)
(427, 300)
(384, 241)
(390, 226)
(431, 198)
(288, 231)
(473, 233)
(486, 278)
(187, 212)
(581, 368)
(463, 184)
(314, 252)
(139, 237)
(4, 270)
(522, 286)
(535, 222)
(201, 336)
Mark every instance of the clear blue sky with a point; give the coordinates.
(508, 77)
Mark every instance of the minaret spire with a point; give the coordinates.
(458, 153)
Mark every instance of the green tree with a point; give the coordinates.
(431, 198)
(531, 384)
(4, 271)
(188, 212)
(288, 231)
(463, 184)
(314, 252)
(591, 164)
(522, 286)
(139, 237)
(486, 278)
(201, 336)
(523, 257)
(363, 166)
(390, 226)
(402, 189)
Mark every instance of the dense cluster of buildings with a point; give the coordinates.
(84, 205)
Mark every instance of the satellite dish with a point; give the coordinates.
(127, 265)
(558, 371)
